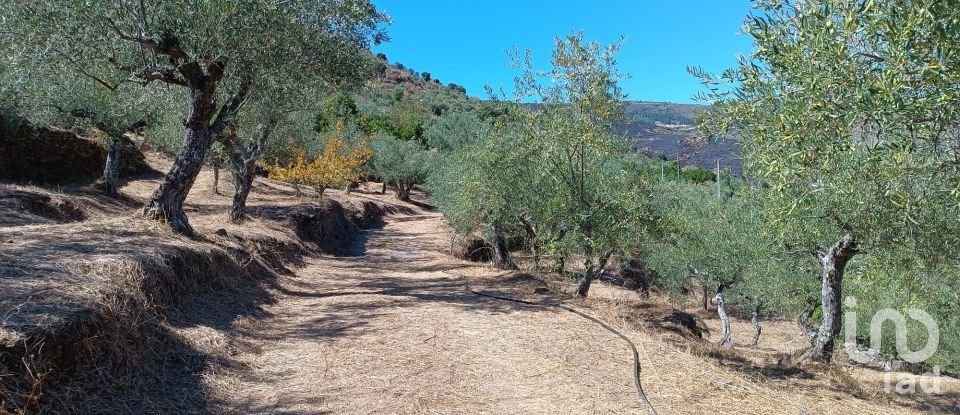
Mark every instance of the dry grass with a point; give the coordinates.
(91, 293)
(395, 332)
(683, 374)
(258, 321)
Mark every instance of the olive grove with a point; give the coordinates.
(220, 52)
(847, 112)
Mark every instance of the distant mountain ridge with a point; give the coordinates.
(668, 130)
(657, 129)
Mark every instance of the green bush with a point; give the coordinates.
(698, 175)
(339, 107)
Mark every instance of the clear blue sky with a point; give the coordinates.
(465, 41)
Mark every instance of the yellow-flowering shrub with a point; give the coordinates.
(338, 165)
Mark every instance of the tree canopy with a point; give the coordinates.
(222, 52)
(847, 114)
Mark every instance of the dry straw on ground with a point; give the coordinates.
(259, 321)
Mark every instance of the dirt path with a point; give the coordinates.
(392, 330)
(387, 328)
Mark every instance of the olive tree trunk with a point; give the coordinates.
(725, 335)
(706, 296)
(403, 190)
(166, 203)
(203, 124)
(501, 254)
(755, 319)
(833, 262)
(242, 183)
(109, 183)
(111, 169)
(531, 231)
(803, 320)
(560, 264)
(216, 178)
(383, 190)
(594, 268)
(243, 166)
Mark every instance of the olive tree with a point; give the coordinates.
(50, 96)
(722, 243)
(848, 115)
(554, 168)
(592, 209)
(279, 103)
(487, 185)
(402, 163)
(221, 52)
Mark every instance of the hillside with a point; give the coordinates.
(668, 130)
(328, 307)
(657, 129)
(245, 207)
(299, 311)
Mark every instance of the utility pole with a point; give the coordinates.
(678, 166)
(718, 178)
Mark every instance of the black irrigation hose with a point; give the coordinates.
(633, 347)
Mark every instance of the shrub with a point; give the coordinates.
(338, 165)
(698, 175)
(338, 108)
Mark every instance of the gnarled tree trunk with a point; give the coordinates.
(725, 335)
(242, 183)
(216, 178)
(706, 296)
(803, 320)
(111, 169)
(531, 230)
(243, 166)
(403, 190)
(166, 203)
(833, 262)
(594, 268)
(501, 254)
(560, 265)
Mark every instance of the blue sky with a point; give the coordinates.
(465, 41)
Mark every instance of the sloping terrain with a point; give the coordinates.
(89, 289)
(392, 328)
(299, 311)
(668, 130)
